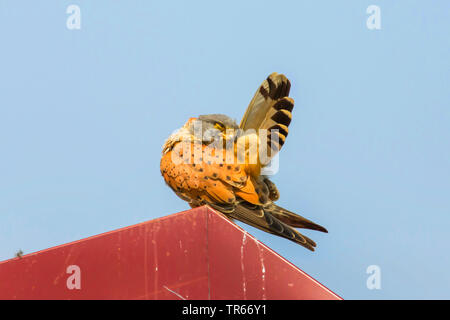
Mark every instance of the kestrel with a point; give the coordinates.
(212, 161)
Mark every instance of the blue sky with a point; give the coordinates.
(83, 115)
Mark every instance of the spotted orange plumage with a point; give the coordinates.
(204, 165)
(204, 182)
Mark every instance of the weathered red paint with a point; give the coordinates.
(195, 254)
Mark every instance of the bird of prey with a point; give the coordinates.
(211, 160)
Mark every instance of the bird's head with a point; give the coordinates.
(212, 126)
(206, 129)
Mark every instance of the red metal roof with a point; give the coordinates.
(195, 254)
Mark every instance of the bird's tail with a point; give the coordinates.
(276, 220)
(294, 220)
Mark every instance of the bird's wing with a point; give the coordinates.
(231, 190)
(271, 109)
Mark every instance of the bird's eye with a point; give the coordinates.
(219, 126)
